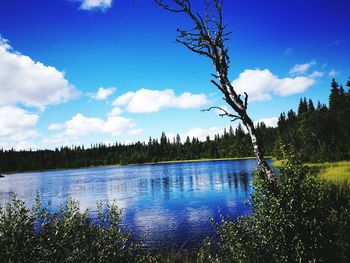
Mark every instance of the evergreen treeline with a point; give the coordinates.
(319, 133)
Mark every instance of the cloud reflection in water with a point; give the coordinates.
(165, 204)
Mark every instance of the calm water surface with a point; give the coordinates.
(165, 205)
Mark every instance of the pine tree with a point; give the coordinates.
(334, 96)
(302, 106)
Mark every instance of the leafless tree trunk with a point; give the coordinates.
(207, 38)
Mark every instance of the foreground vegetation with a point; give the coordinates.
(308, 129)
(298, 219)
(39, 235)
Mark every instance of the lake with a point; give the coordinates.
(165, 205)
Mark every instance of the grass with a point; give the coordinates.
(336, 172)
(277, 163)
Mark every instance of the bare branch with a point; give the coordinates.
(216, 84)
(223, 112)
(167, 7)
(245, 100)
(193, 49)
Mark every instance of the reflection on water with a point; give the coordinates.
(166, 204)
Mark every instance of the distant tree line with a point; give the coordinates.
(319, 133)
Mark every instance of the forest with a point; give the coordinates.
(320, 133)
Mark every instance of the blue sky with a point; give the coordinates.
(89, 71)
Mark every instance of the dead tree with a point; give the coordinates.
(208, 38)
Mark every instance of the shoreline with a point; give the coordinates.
(134, 164)
(197, 160)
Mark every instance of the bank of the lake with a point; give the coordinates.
(200, 160)
(143, 163)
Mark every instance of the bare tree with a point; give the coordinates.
(208, 38)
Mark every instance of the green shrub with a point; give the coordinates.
(296, 220)
(68, 235)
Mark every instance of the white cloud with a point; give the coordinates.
(301, 68)
(316, 74)
(118, 125)
(188, 101)
(115, 111)
(146, 100)
(262, 84)
(225, 108)
(16, 125)
(55, 127)
(31, 83)
(333, 73)
(103, 93)
(123, 99)
(95, 4)
(58, 140)
(26, 145)
(202, 133)
(81, 125)
(14, 121)
(269, 122)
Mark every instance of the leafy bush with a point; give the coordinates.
(68, 235)
(299, 219)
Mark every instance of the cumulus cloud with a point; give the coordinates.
(302, 68)
(16, 125)
(55, 127)
(123, 99)
(58, 140)
(81, 125)
(95, 4)
(24, 81)
(202, 133)
(118, 125)
(26, 145)
(103, 93)
(333, 73)
(269, 122)
(316, 74)
(115, 111)
(262, 84)
(146, 100)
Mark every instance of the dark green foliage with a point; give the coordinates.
(39, 235)
(321, 134)
(297, 220)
